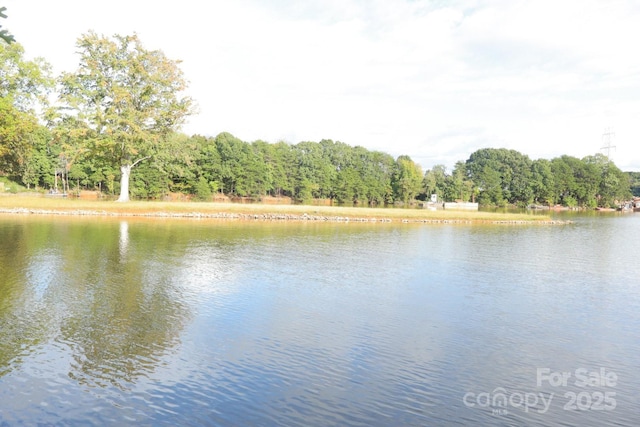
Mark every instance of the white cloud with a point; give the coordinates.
(434, 80)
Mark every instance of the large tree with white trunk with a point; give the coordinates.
(127, 99)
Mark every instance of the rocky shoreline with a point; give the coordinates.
(270, 217)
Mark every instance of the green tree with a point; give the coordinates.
(283, 168)
(407, 179)
(613, 185)
(38, 168)
(203, 189)
(149, 182)
(490, 186)
(483, 166)
(178, 161)
(16, 128)
(542, 182)
(312, 171)
(232, 152)
(460, 187)
(208, 163)
(24, 86)
(564, 185)
(634, 182)
(4, 34)
(575, 181)
(348, 186)
(129, 97)
(587, 177)
(377, 173)
(503, 175)
(25, 83)
(434, 181)
(259, 169)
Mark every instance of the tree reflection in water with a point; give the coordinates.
(83, 286)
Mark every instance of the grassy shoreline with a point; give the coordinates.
(60, 206)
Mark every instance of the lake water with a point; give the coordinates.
(187, 322)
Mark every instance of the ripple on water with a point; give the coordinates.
(341, 325)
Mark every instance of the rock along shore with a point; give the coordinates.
(271, 217)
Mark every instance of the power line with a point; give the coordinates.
(607, 138)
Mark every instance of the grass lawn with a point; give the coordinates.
(70, 205)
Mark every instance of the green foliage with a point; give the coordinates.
(281, 161)
(24, 147)
(377, 170)
(448, 188)
(124, 101)
(203, 189)
(506, 176)
(407, 179)
(634, 182)
(38, 167)
(316, 174)
(149, 182)
(611, 184)
(435, 182)
(350, 175)
(502, 175)
(11, 186)
(25, 84)
(233, 159)
(16, 127)
(4, 34)
(460, 186)
(543, 182)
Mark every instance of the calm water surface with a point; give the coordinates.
(109, 322)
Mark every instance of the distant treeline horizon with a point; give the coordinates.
(203, 166)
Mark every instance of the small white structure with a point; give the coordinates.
(465, 206)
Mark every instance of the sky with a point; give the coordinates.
(432, 79)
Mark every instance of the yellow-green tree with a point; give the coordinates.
(24, 86)
(130, 99)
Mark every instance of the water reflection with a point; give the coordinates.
(23, 321)
(210, 323)
(85, 291)
(124, 239)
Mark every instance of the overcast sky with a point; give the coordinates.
(435, 80)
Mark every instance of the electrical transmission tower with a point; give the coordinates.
(607, 138)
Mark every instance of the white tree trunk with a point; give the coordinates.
(124, 183)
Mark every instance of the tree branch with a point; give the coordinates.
(140, 160)
(4, 34)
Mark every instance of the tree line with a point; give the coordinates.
(500, 177)
(123, 107)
